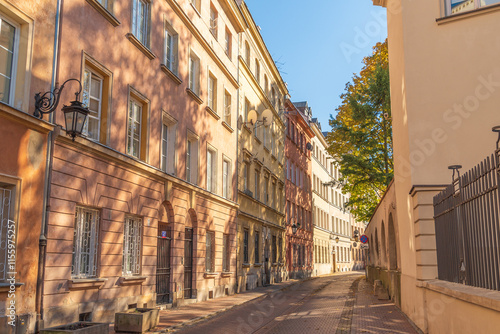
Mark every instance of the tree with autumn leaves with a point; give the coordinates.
(361, 135)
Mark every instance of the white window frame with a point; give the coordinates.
(132, 120)
(211, 169)
(141, 30)
(192, 158)
(15, 55)
(80, 240)
(86, 97)
(227, 107)
(212, 91)
(171, 49)
(194, 73)
(212, 21)
(228, 42)
(226, 178)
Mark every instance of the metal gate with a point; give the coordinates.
(188, 263)
(163, 265)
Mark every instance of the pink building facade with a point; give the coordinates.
(142, 207)
(298, 191)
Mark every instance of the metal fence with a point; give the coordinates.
(467, 226)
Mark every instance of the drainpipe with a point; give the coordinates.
(237, 154)
(46, 189)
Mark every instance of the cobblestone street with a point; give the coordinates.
(341, 303)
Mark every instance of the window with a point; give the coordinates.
(225, 179)
(257, 70)
(266, 84)
(228, 43)
(459, 6)
(192, 159)
(245, 246)
(211, 170)
(227, 107)
(194, 73)
(212, 92)
(226, 253)
(85, 243)
(247, 53)
(8, 53)
(171, 49)
(274, 250)
(275, 200)
(246, 175)
(280, 249)
(92, 98)
(210, 252)
(140, 20)
(168, 144)
(213, 21)
(247, 110)
(273, 97)
(196, 4)
(266, 190)
(132, 245)
(134, 128)
(8, 217)
(256, 248)
(257, 185)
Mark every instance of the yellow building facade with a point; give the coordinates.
(261, 218)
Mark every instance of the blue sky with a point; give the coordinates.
(319, 44)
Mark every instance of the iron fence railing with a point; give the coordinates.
(467, 223)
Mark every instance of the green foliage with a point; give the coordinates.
(361, 136)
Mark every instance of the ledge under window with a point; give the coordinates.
(245, 265)
(257, 264)
(131, 280)
(86, 283)
(212, 112)
(464, 15)
(226, 274)
(210, 275)
(228, 127)
(194, 96)
(247, 128)
(144, 49)
(5, 287)
(104, 12)
(171, 74)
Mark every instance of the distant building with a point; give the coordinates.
(299, 231)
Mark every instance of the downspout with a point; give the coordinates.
(237, 156)
(46, 188)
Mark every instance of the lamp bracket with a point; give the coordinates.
(48, 102)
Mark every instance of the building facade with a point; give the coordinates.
(27, 58)
(143, 205)
(261, 178)
(335, 250)
(444, 121)
(299, 232)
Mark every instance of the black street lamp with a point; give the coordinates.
(75, 114)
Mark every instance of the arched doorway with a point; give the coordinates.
(393, 249)
(163, 254)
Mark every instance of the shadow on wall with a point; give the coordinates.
(383, 263)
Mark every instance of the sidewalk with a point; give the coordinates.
(172, 319)
(371, 315)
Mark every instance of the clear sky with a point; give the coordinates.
(318, 45)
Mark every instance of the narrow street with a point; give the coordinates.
(338, 304)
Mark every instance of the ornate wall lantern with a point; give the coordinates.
(75, 114)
